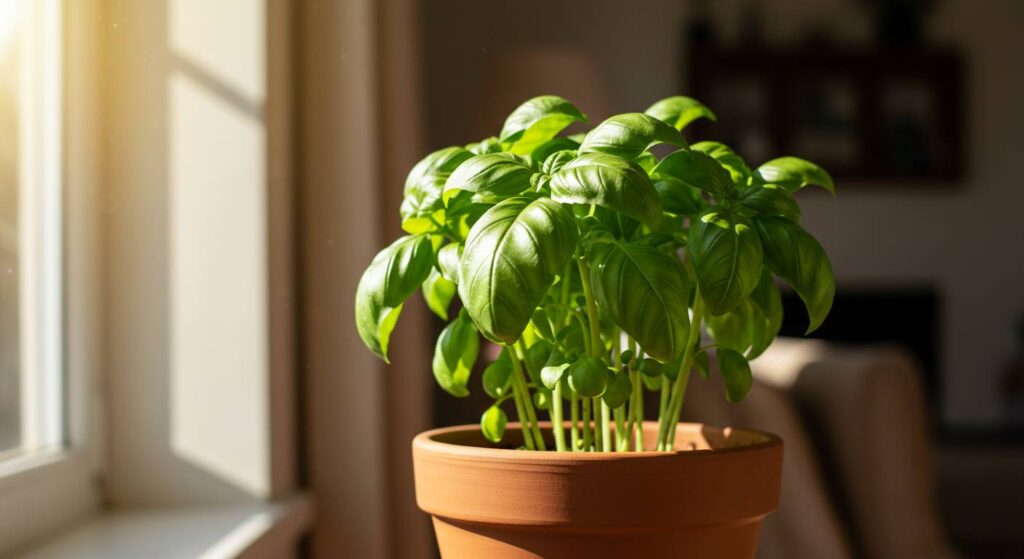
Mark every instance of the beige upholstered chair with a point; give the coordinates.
(857, 479)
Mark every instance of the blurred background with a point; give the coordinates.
(190, 190)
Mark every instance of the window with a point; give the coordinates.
(31, 370)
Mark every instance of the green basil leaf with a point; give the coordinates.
(768, 302)
(793, 173)
(650, 367)
(395, 274)
(513, 254)
(554, 162)
(454, 355)
(697, 170)
(551, 147)
(629, 135)
(492, 424)
(535, 357)
(727, 258)
(448, 261)
(440, 163)
(736, 374)
(421, 204)
(677, 197)
(652, 383)
(769, 200)
(618, 391)
(736, 329)
(438, 293)
(644, 291)
(797, 257)
(538, 120)
(610, 182)
(488, 145)
(497, 377)
(551, 374)
(588, 377)
(727, 158)
(647, 161)
(679, 111)
(542, 399)
(490, 176)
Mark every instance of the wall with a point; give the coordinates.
(965, 241)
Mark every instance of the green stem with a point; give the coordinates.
(675, 405)
(663, 404)
(621, 436)
(531, 413)
(521, 414)
(557, 426)
(606, 427)
(586, 424)
(597, 348)
(639, 417)
(574, 417)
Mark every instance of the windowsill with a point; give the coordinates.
(209, 532)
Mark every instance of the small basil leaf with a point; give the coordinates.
(793, 173)
(542, 399)
(488, 145)
(679, 111)
(727, 158)
(438, 293)
(736, 374)
(588, 377)
(736, 329)
(497, 377)
(440, 163)
(395, 274)
(619, 225)
(421, 202)
(535, 358)
(727, 258)
(554, 162)
(677, 197)
(448, 261)
(644, 291)
(618, 391)
(551, 374)
(769, 200)
(492, 424)
(454, 355)
(797, 257)
(626, 356)
(538, 120)
(551, 147)
(650, 367)
(629, 135)
(513, 254)
(647, 161)
(610, 182)
(490, 176)
(697, 170)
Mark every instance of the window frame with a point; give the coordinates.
(45, 490)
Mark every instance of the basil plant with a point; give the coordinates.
(596, 264)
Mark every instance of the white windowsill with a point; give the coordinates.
(209, 532)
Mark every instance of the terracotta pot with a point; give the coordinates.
(492, 502)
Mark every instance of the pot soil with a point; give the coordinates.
(706, 500)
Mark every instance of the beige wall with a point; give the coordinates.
(965, 241)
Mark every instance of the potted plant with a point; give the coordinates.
(595, 265)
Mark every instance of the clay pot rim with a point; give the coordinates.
(427, 442)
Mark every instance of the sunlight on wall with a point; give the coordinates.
(218, 237)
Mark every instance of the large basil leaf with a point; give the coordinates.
(677, 197)
(697, 170)
(454, 355)
(679, 111)
(629, 135)
(608, 181)
(538, 120)
(512, 255)
(769, 200)
(438, 293)
(395, 274)
(491, 176)
(793, 173)
(797, 257)
(727, 258)
(736, 374)
(727, 158)
(643, 291)
(421, 203)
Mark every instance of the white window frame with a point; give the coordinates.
(56, 481)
